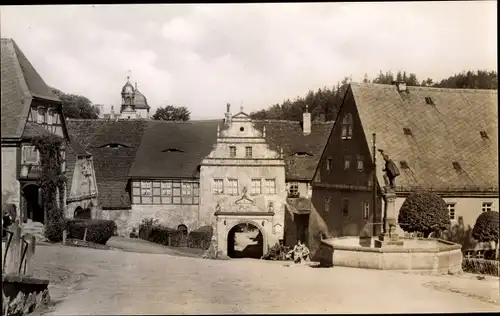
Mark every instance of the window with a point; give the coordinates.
(429, 101)
(457, 166)
(166, 192)
(270, 186)
(329, 164)
(484, 135)
(360, 163)
(451, 211)
(347, 162)
(487, 206)
(293, 189)
(404, 164)
(327, 204)
(31, 116)
(347, 126)
(407, 131)
(30, 155)
(218, 186)
(248, 151)
(345, 207)
(366, 209)
(41, 116)
(232, 187)
(56, 118)
(232, 151)
(256, 186)
(176, 192)
(63, 160)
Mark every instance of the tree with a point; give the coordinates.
(77, 106)
(424, 212)
(486, 228)
(172, 113)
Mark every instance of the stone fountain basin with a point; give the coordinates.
(434, 256)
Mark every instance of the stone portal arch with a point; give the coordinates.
(246, 243)
(81, 213)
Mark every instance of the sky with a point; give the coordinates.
(252, 55)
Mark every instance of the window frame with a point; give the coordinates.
(256, 190)
(231, 189)
(451, 208)
(329, 161)
(366, 210)
(34, 153)
(293, 189)
(248, 149)
(270, 190)
(327, 200)
(347, 163)
(486, 206)
(347, 124)
(165, 192)
(360, 163)
(232, 151)
(215, 189)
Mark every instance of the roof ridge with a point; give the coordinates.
(437, 89)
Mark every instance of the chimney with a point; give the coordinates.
(306, 121)
(228, 114)
(401, 86)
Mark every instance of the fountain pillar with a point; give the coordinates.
(389, 237)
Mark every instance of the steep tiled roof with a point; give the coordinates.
(301, 152)
(444, 132)
(20, 83)
(174, 149)
(111, 165)
(32, 129)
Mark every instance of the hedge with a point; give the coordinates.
(486, 227)
(200, 238)
(481, 266)
(99, 231)
(162, 235)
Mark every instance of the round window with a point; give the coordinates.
(242, 129)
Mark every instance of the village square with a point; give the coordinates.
(375, 196)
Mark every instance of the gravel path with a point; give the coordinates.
(116, 282)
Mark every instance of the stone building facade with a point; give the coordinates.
(243, 181)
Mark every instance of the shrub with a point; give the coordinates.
(146, 226)
(424, 212)
(200, 238)
(54, 230)
(178, 238)
(160, 234)
(486, 227)
(98, 230)
(481, 266)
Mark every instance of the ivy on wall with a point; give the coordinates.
(51, 180)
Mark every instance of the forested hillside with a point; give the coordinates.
(328, 99)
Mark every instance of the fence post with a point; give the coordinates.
(30, 252)
(85, 235)
(65, 235)
(13, 257)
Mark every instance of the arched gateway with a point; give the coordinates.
(246, 240)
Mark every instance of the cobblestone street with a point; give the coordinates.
(118, 282)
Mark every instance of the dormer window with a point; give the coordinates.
(329, 163)
(49, 116)
(457, 166)
(347, 126)
(360, 163)
(173, 150)
(407, 131)
(484, 135)
(428, 100)
(114, 145)
(302, 154)
(404, 164)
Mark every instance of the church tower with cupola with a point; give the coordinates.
(127, 111)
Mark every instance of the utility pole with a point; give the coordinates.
(374, 181)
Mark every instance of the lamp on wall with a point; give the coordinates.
(263, 223)
(270, 207)
(225, 223)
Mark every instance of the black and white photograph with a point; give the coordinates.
(244, 158)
